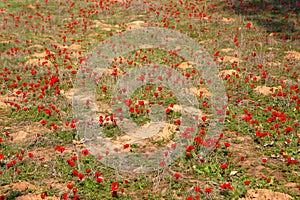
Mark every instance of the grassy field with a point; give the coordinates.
(255, 46)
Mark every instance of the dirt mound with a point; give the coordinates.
(31, 196)
(22, 187)
(292, 55)
(263, 194)
(266, 90)
(3, 102)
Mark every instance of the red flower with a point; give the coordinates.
(65, 196)
(198, 139)
(73, 125)
(178, 122)
(97, 174)
(177, 176)
(80, 176)
(249, 25)
(247, 182)
(60, 148)
(197, 189)
(208, 190)
(69, 186)
(288, 129)
(99, 179)
(85, 152)
(71, 163)
(131, 109)
(115, 186)
(190, 148)
(216, 54)
(168, 110)
(226, 144)
(223, 166)
(125, 146)
(75, 172)
(162, 163)
(226, 186)
(43, 195)
(43, 122)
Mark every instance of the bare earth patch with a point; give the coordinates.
(227, 20)
(20, 186)
(230, 72)
(23, 187)
(227, 50)
(164, 134)
(39, 62)
(185, 65)
(292, 55)
(102, 25)
(68, 94)
(200, 91)
(230, 59)
(31, 196)
(273, 64)
(244, 146)
(136, 25)
(23, 133)
(41, 55)
(263, 194)
(3, 100)
(266, 90)
(293, 187)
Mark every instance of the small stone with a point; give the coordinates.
(232, 173)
